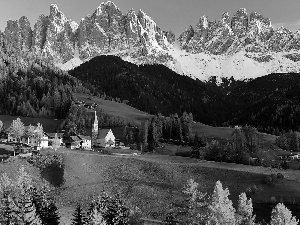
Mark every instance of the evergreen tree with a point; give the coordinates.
(294, 142)
(282, 216)
(112, 208)
(79, 217)
(244, 214)
(197, 204)
(221, 210)
(96, 218)
(1, 126)
(24, 206)
(144, 133)
(45, 205)
(282, 142)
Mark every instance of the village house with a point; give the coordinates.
(86, 142)
(90, 105)
(32, 141)
(73, 142)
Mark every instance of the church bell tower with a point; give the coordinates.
(95, 130)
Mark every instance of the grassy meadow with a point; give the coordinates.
(122, 110)
(150, 183)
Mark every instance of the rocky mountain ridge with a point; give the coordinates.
(241, 46)
(106, 30)
(230, 35)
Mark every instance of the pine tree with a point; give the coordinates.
(1, 126)
(221, 210)
(96, 218)
(244, 214)
(24, 206)
(45, 205)
(197, 206)
(144, 133)
(282, 216)
(79, 217)
(294, 142)
(112, 208)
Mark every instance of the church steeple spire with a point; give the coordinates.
(95, 129)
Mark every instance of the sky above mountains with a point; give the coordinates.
(175, 15)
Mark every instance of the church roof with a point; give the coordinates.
(102, 133)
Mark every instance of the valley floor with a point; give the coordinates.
(158, 179)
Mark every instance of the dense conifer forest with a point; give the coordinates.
(153, 88)
(31, 86)
(270, 103)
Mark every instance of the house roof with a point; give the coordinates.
(102, 133)
(84, 137)
(52, 135)
(75, 138)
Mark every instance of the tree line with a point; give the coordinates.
(159, 129)
(205, 209)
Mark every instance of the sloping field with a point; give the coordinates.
(133, 115)
(150, 183)
(223, 133)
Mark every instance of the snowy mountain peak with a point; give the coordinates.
(241, 46)
(54, 11)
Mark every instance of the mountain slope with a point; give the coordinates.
(152, 88)
(268, 102)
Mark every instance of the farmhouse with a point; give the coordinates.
(106, 138)
(79, 141)
(90, 105)
(86, 142)
(32, 141)
(73, 142)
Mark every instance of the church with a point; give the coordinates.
(104, 137)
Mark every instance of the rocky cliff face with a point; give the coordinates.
(242, 46)
(230, 35)
(18, 34)
(105, 31)
(54, 36)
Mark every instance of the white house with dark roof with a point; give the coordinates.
(86, 142)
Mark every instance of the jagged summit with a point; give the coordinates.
(242, 45)
(252, 33)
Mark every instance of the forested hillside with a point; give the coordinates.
(32, 86)
(271, 103)
(153, 88)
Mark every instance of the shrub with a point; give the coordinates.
(51, 166)
(183, 154)
(280, 176)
